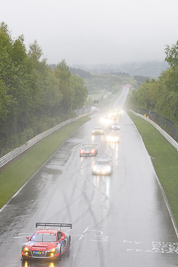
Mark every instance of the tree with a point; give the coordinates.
(49, 98)
(79, 92)
(63, 74)
(172, 55)
(35, 52)
(171, 75)
(159, 96)
(33, 98)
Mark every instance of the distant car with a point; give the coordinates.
(105, 120)
(114, 126)
(48, 244)
(97, 130)
(102, 167)
(94, 109)
(113, 137)
(88, 150)
(115, 118)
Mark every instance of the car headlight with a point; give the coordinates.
(51, 252)
(26, 251)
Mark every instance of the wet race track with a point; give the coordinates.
(118, 220)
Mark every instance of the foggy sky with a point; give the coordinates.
(94, 31)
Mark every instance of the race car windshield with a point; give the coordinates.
(88, 147)
(113, 134)
(103, 162)
(43, 237)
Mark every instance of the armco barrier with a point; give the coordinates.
(166, 124)
(166, 135)
(16, 152)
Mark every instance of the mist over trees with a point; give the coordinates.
(33, 97)
(161, 95)
(110, 81)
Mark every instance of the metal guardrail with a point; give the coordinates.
(164, 133)
(169, 126)
(16, 152)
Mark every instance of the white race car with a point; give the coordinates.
(102, 167)
(113, 137)
(114, 126)
(97, 130)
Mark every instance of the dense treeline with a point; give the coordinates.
(161, 95)
(140, 79)
(108, 82)
(81, 73)
(33, 97)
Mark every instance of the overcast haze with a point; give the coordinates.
(94, 31)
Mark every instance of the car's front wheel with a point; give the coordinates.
(69, 240)
(59, 257)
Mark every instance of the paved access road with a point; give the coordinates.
(118, 220)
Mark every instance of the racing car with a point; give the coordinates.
(102, 167)
(106, 120)
(113, 137)
(47, 243)
(88, 150)
(114, 126)
(97, 130)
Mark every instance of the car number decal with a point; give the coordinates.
(38, 252)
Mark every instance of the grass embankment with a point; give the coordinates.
(164, 158)
(105, 102)
(17, 172)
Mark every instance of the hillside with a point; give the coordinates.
(150, 69)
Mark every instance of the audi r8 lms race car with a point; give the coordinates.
(97, 130)
(88, 150)
(113, 137)
(114, 126)
(102, 167)
(47, 243)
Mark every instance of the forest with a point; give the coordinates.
(110, 81)
(161, 94)
(33, 97)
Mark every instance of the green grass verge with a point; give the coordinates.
(164, 158)
(17, 172)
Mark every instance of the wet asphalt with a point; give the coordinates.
(118, 220)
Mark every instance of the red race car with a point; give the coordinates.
(88, 150)
(47, 243)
